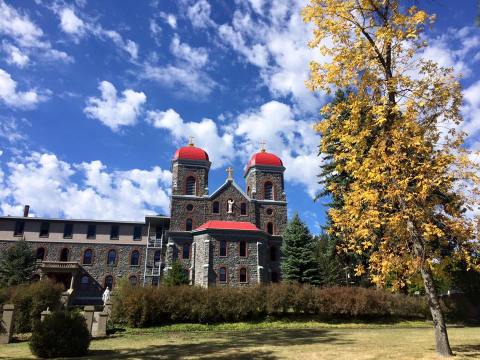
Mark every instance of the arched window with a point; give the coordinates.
(273, 253)
(156, 258)
(84, 282)
(134, 258)
(248, 190)
(243, 209)
(222, 274)
(111, 257)
(133, 280)
(243, 275)
(270, 228)
(189, 225)
(191, 186)
(215, 207)
(268, 190)
(40, 255)
(64, 254)
(109, 282)
(88, 257)
(223, 248)
(274, 277)
(243, 248)
(186, 251)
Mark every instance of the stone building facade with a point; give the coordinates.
(231, 237)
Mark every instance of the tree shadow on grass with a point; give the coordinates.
(467, 351)
(236, 346)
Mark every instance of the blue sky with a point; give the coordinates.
(96, 96)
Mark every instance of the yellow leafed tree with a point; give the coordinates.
(414, 189)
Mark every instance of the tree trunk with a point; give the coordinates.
(441, 336)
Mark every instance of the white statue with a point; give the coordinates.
(230, 203)
(106, 296)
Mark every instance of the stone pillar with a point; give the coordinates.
(7, 324)
(88, 312)
(206, 264)
(107, 308)
(43, 314)
(99, 325)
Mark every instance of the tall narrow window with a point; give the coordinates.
(243, 248)
(273, 253)
(223, 248)
(268, 190)
(64, 254)
(40, 255)
(191, 186)
(137, 232)
(133, 280)
(243, 209)
(135, 258)
(68, 231)
(109, 282)
(44, 229)
(19, 227)
(158, 232)
(222, 274)
(88, 257)
(111, 257)
(186, 251)
(156, 258)
(215, 207)
(270, 228)
(243, 275)
(91, 231)
(114, 231)
(189, 225)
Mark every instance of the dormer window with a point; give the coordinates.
(268, 190)
(191, 186)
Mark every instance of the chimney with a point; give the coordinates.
(26, 208)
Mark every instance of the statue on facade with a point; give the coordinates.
(230, 203)
(106, 296)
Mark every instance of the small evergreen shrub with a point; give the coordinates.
(60, 334)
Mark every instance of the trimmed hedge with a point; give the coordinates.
(150, 306)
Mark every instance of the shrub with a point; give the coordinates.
(176, 275)
(60, 334)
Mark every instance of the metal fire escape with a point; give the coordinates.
(153, 255)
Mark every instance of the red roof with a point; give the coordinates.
(191, 153)
(264, 158)
(228, 225)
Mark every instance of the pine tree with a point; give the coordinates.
(298, 263)
(330, 266)
(17, 264)
(176, 275)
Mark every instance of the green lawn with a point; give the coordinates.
(275, 340)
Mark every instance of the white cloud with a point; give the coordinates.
(71, 23)
(16, 99)
(199, 14)
(471, 109)
(196, 57)
(170, 19)
(207, 135)
(114, 111)
(55, 188)
(15, 55)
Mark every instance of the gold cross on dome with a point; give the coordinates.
(262, 145)
(230, 173)
(190, 140)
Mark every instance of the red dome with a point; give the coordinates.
(264, 158)
(191, 153)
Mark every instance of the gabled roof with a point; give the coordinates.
(228, 225)
(226, 184)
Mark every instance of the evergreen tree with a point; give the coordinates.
(330, 268)
(176, 275)
(17, 264)
(298, 263)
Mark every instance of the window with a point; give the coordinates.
(109, 282)
(189, 207)
(216, 207)
(248, 190)
(68, 231)
(158, 232)
(64, 254)
(91, 231)
(191, 186)
(155, 281)
(243, 275)
(84, 282)
(114, 231)
(40, 255)
(133, 280)
(222, 275)
(186, 251)
(134, 258)
(243, 209)
(137, 233)
(273, 253)
(44, 229)
(156, 258)
(19, 227)
(268, 190)
(189, 225)
(269, 211)
(274, 277)
(270, 228)
(243, 248)
(223, 248)
(88, 257)
(111, 257)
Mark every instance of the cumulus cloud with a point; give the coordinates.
(196, 57)
(55, 188)
(15, 56)
(11, 97)
(471, 109)
(112, 110)
(199, 14)
(71, 23)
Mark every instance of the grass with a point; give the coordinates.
(275, 340)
